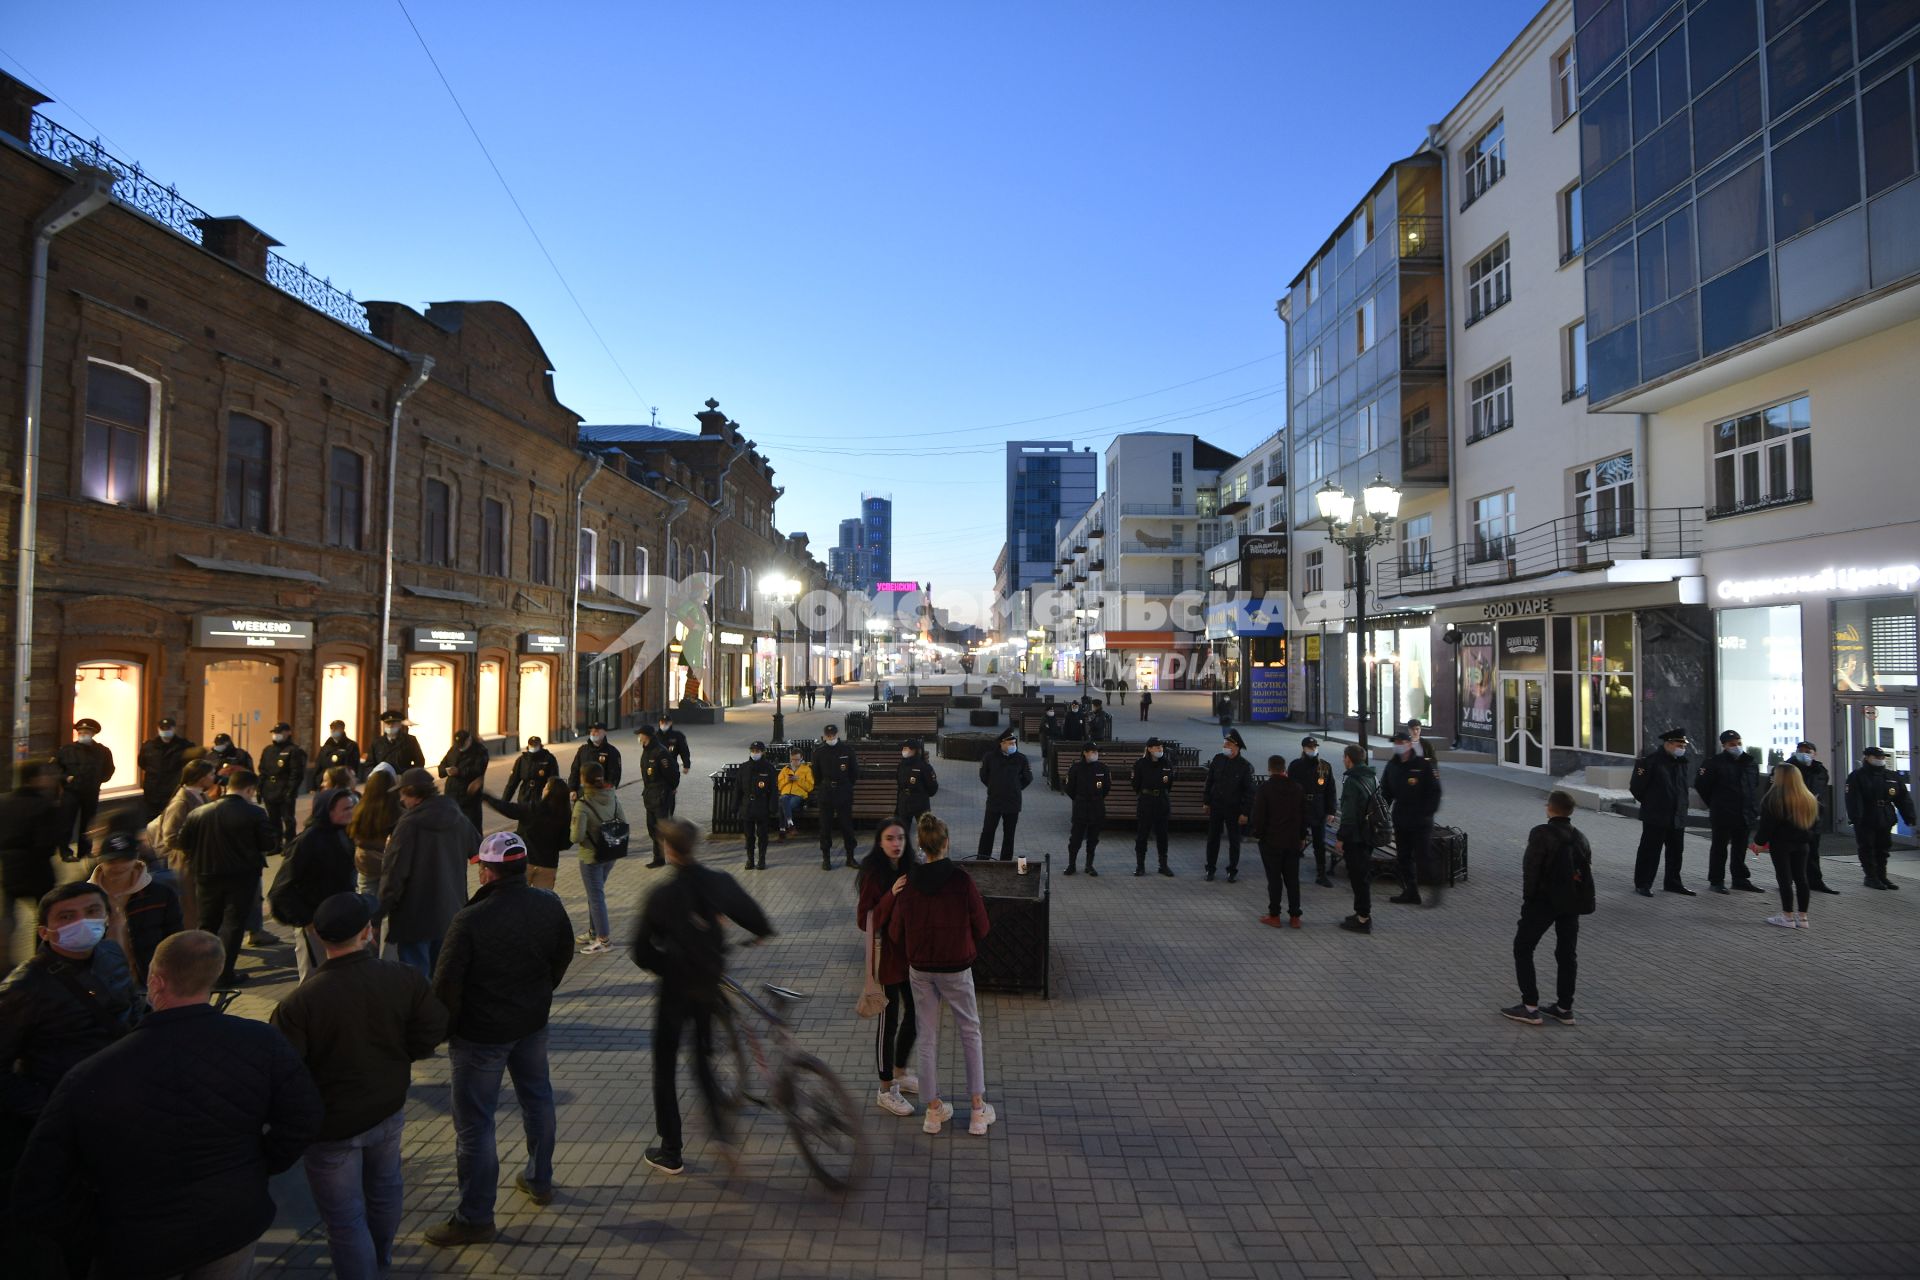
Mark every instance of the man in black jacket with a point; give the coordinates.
(465, 769)
(1806, 758)
(1659, 786)
(1005, 772)
(227, 755)
(682, 938)
(914, 785)
(1730, 785)
(1412, 786)
(283, 767)
(174, 1131)
(598, 750)
(1088, 783)
(1320, 800)
(1099, 723)
(86, 765)
(337, 752)
(835, 770)
(395, 746)
(675, 741)
(359, 1023)
(505, 953)
(757, 792)
(1876, 795)
(1557, 862)
(1229, 799)
(1152, 781)
(227, 844)
(531, 771)
(1073, 725)
(30, 832)
(161, 759)
(659, 775)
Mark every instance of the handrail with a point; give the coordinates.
(1569, 543)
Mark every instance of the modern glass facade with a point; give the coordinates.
(1046, 479)
(1744, 164)
(876, 515)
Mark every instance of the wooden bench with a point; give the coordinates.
(964, 748)
(1188, 799)
(905, 722)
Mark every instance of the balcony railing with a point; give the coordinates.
(1423, 348)
(1096, 532)
(1570, 544)
(1791, 498)
(1419, 238)
(166, 206)
(1158, 509)
(1424, 454)
(1152, 547)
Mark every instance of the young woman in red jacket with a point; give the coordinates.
(882, 876)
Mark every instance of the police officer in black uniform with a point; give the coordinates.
(1660, 787)
(1087, 785)
(835, 770)
(1099, 723)
(1411, 785)
(1073, 725)
(225, 754)
(659, 775)
(283, 767)
(598, 749)
(337, 752)
(161, 759)
(1005, 772)
(534, 766)
(914, 785)
(675, 744)
(395, 746)
(1806, 758)
(85, 766)
(1875, 796)
(1152, 782)
(757, 790)
(465, 769)
(1229, 799)
(1320, 800)
(1730, 785)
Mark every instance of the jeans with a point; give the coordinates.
(476, 1094)
(897, 1029)
(1283, 872)
(1218, 823)
(423, 956)
(790, 805)
(673, 1013)
(1534, 923)
(955, 990)
(1654, 841)
(593, 875)
(357, 1186)
(1790, 870)
(1007, 822)
(1729, 844)
(224, 901)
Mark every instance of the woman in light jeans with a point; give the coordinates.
(596, 806)
(373, 821)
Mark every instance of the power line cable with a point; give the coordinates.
(79, 115)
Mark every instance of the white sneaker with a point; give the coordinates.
(1782, 921)
(890, 1100)
(1803, 923)
(908, 1083)
(982, 1117)
(937, 1114)
(595, 947)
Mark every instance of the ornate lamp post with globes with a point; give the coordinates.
(780, 592)
(1359, 533)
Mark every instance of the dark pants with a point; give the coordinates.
(470, 808)
(1359, 858)
(77, 809)
(669, 801)
(909, 813)
(1283, 871)
(757, 827)
(1144, 708)
(1151, 819)
(654, 814)
(673, 1014)
(283, 814)
(1873, 848)
(1085, 827)
(828, 692)
(836, 813)
(1412, 847)
(1654, 841)
(1007, 822)
(1814, 879)
(898, 1029)
(1729, 845)
(1534, 923)
(225, 902)
(1317, 832)
(1217, 824)
(1790, 872)
(477, 1069)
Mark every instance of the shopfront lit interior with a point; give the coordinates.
(241, 699)
(430, 706)
(492, 688)
(536, 700)
(110, 693)
(340, 699)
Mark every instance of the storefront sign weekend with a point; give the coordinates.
(1847, 578)
(442, 640)
(542, 642)
(225, 631)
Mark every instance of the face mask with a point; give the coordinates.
(80, 935)
(1093, 759)
(166, 735)
(392, 731)
(598, 738)
(339, 735)
(86, 737)
(753, 755)
(1734, 751)
(1801, 757)
(1676, 751)
(225, 749)
(1155, 753)
(1402, 748)
(906, 755)
(1009, 749)
(1311, 752)
(279, 737)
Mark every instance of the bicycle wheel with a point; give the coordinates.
(821, 1117)
(730, 1069)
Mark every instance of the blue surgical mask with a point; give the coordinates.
(753, 755)
(1010, 748)
(1801, 757)
(80, 935)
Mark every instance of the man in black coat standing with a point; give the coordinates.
(1876, 796)
(1088, 782)
(1730, 785)
(337, 752)
(598, 750)
(283, 767)
(1320, 800)
(1229, 799)
(395, 746)
(227, 845)
(1659, 786)
(86, 765)
(465, 769)
(914, 784)
(757, 792)
(531, 770)
(1152, 781)
(835, 770)
(1806, 758)
(161, 759)
(1099, 723)
(1412, 785)
(675, 744)
(1005, 772)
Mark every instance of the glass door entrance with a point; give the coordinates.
(1859, 725)
(1523, 723)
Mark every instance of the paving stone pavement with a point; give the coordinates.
(1205, 1097)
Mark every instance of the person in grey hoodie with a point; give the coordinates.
(424, 880)
(598, 805)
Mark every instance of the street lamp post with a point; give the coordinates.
(1085, 617)
(876, 627)
(780, 592)
(1359, 533)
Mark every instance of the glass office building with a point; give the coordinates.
(1046, 479)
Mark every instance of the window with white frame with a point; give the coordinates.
(1763, 459)
(1256, 475)
(1566, 92)
(1493, 527)
(122, 412)
(1573, 235)
(1366, 428)
(1416, 544)
(1365, 332)
(1489, 282)
(1313, 281)
(589, 558)
(1491, 401)
(1176, 467)
(1573, 343)
(1315, 570)
(640, 560)
(1486, 161)
(1314, 374)
(1603, 498)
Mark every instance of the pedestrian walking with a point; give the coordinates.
(1729, 784)
(1784, 832)
(883, 875)
(1557, 889)
(1659, 785)
(545, 827)
(682, 940)
(827, 691)
(423, 884)
(533, 768)
(1806, 758)
(180, 1188)
(506, 950)
(374, 819)
(1876, 796)
(228, 842)
(600, 840)
(395, 746)
(835, 770)
(1146, 702)
(597, 749)
(1228, 798)
(86, 765)
(914, 785)
(1276, 824)
(319, 865)
(1320, 801)
(1420, 744)
(938, 922)
(796, 784)
(757, 794)
(283, 768)
(143, 912)
(30, 834)
(1088, 783)
(1355, 836)
(337, 752)
(1411, 784)
(161, 758)
(359, 1023)
(1152, 782)
(659, 775)
(1005, 772)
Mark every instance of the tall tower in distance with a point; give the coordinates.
(876, 521)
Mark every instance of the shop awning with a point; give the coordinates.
(438, 593)
(213, 564)
(605, 604)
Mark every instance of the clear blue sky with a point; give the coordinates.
(856, 225)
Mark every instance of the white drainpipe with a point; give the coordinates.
(421, 366)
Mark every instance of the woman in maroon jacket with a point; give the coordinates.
(882, 876)
(937, 919)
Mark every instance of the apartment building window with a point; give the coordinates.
(640, 561)
(1256, 475)
(436, 508)
(1603, 498)
(1486, 161)
(1418, 437)
(540, 551)
(1763, 459)
(1315, 374)
(249, 473)
(1179, 575)
(1315, 570)
(589, 557)
(346, 497)
(1573, 344)
(493, 537)
(1573, 235)
(1366, 428)
(1176, 468)
(1491, 395)
(1365, 332)
(1179, 496)
(1489, 282)
(120, 421)
(1493, 527)
(616, 566)
(1416, 545)
(1313, 282)
(1566, 93)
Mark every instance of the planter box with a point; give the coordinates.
(1015, 954)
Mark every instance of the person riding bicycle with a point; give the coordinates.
(682, 939)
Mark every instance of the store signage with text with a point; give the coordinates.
(1523, 607)
(443, 640)
(732, 637)
(896, 586)
(1847, 578)
(542, 642)
(226, 631)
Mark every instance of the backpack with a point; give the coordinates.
(1376, 825)
(288, 899)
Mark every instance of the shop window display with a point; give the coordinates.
(1759, 691)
